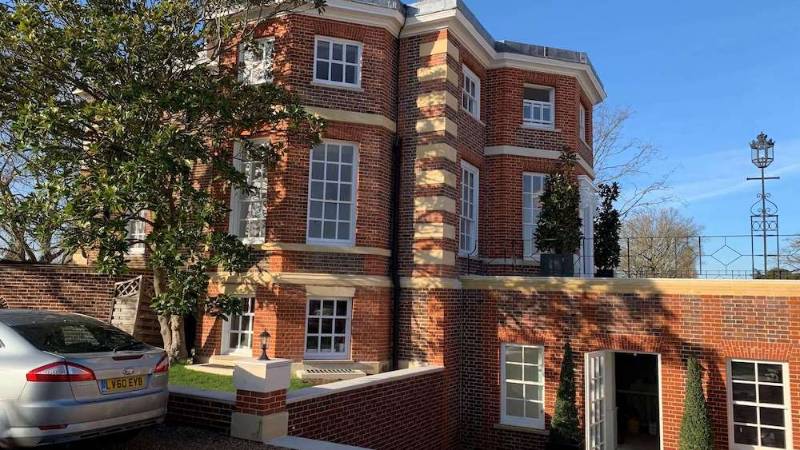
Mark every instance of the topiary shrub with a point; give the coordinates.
(564, 431)
(696, 432)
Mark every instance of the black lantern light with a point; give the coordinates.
(763, 151)
(264, 342)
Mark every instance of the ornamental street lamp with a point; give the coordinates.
(264, 342)
(763, 213)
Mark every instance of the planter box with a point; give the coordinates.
(557, 265)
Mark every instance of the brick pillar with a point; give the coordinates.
(260, 412)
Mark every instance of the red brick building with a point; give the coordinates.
(404, 239)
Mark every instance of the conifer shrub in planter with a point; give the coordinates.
(558, 231)
(607, 224)
(564, 431)
(696, 432)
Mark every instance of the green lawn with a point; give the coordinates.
(181, 376)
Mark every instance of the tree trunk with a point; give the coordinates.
(170, 326)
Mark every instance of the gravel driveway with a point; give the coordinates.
(173, 437)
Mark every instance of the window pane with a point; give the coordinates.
(352, 54)
(344, 231)
(330, 211)
(770, 373)
(345, 192)
(322, 70)
(532, 355)
(316, 210)
(347, 155)
(533, 410)
(337, 52)
(317, 188)
(515, 407)
(350, 75)
(337, 72)
(347, 172)
(513, 353)
(318, 153)
(744, 392)
(323, 49)
(533, 392)
(744, 414)
(313, 326)
(331, 191)
(344, 211)
(327, 308)
(745, 435)
(532, 373)
(332, 172)
(314, 308)
(326, 344)
(743, 371)
(515, 390)
(773, 438)
(770, 394)
(340, 326)
(537, 94)
(513, 372)
(312, 343)
(341, 308)
(315, 229)
(339, 344)
(327, 326)
(772, 416)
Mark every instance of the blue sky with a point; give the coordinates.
(703, 77)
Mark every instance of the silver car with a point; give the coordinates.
(65, 377)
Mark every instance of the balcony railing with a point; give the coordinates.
(708, 256)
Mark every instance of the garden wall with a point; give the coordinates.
(194, 407)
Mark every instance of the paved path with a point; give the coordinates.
(173, 437)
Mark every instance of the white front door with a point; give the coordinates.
(237, 331)
(600, 402)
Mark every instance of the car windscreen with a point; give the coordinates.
(75, 334)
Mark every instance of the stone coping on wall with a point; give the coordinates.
(645, 286)
(227, 397)
(359, 383)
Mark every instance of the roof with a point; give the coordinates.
(426, 7)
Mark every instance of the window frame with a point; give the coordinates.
(269, 77)
(136, 249)
(582, 122)
(225, 343)
(469, 75)
(235, 215)
(467, 167)
(359, 62)
(534, 254)
(516, 421)
(787, 406)
(333, 356)
(353, 198)
(547, 125)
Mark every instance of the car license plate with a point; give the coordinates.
(122, 384)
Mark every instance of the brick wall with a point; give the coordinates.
(58, 288)
(192, 409)
(401, 411)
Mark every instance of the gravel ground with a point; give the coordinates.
(171, 437)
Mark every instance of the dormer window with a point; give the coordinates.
(538, 106)
(255, 61)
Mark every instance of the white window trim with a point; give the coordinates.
(465, 166)
(359, 62)
(535, 251)
(319, 356)
(269, 76)
(541, 124)
(513, 420)
(786, 400)
(336, 242)
(235, 215)
(468, 74)
(582, 123)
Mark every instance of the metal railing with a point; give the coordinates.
(707, 256)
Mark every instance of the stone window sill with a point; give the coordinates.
(502, 426)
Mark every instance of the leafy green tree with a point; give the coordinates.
(696, 432)
(559, 226)
(127, 112)
(564, 430)
(607, 225)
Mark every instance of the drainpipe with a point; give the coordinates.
(397, 167)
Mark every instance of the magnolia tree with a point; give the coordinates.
(116, 104)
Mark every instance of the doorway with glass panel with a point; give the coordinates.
(237, 331)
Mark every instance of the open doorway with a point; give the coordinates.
(637, 401)
(623, 403)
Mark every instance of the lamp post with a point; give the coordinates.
(264, 342)
(764, 213)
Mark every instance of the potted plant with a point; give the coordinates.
(558, 231)
(607, 224)
(565, 433)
